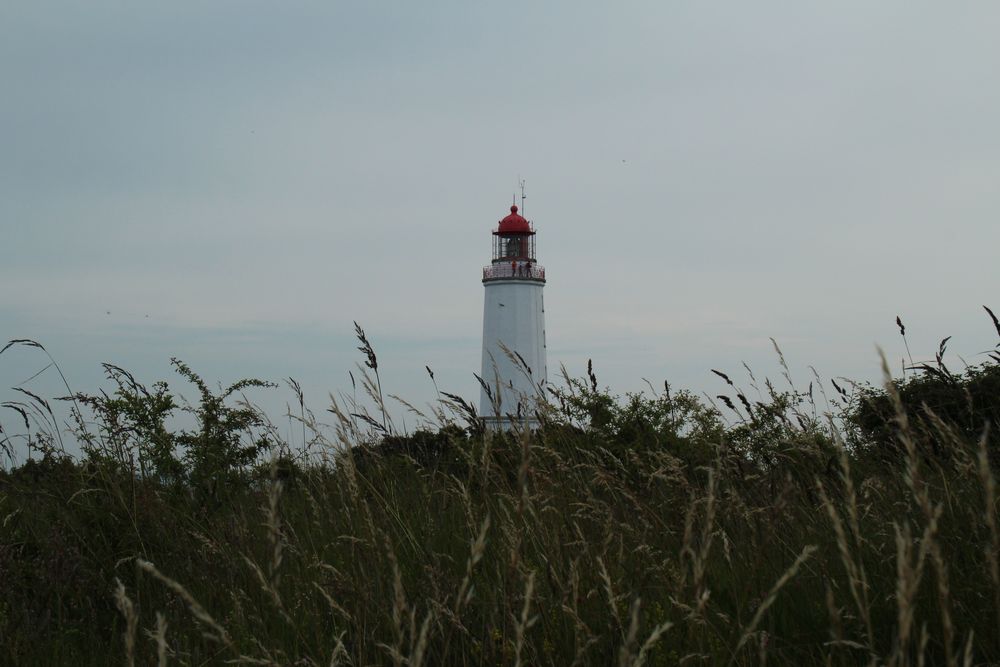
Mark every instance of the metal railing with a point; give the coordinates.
(514, 270)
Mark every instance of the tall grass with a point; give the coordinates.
(643, 531)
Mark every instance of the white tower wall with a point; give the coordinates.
(514, 315)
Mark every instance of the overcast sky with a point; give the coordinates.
(233, 183)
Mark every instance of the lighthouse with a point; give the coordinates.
(514, 369)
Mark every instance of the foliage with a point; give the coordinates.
(226, 440)
(129, 432)
(643, 530)
(676, 421)
(965, 403)
(131, 427)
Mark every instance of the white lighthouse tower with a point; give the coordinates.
(513, 318)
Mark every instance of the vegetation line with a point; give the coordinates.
(625, 530)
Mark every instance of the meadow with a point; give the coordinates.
(830, 524)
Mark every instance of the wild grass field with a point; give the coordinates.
(833, 524)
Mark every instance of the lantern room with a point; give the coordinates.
(514, 251)
(514, 239)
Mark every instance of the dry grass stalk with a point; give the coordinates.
(968, 655)
(856, 584)
(465, 590)
(772, 595)
(159, 635)
(412, 409)
(522, 624)
(609, 591)
(418, 651)
(988, 482)
(272, 522)
(836, 623)
(268, 587)
(699, 556)
(523, 473)
(197, 610)
(921, 494)
(339, 651)
(127, 608)
(700, 564)
(651, 641)
(922, 650)
(625, 650)
(583, 638)
(331, 602)
(855, 524)
(273, 525)
(944, 600)
(909, 574)
(626, 656)
(399, 607)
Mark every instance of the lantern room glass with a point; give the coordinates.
(508, 247)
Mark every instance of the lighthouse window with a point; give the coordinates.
(513, 247)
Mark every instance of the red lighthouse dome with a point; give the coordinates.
(514, 223)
